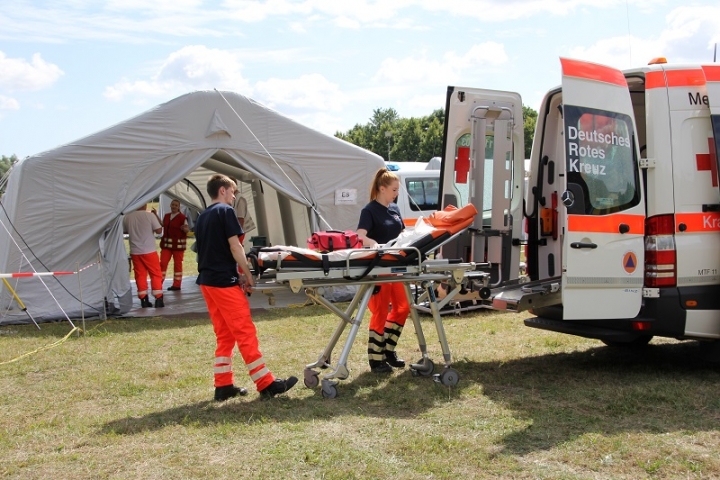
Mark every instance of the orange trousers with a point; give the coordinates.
(177, 257)
(147, 263)
(390, 309)
(230, 314)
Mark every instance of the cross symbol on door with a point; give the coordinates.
(708, 161)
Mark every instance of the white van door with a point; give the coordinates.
(712, 83)
(483, 164)
(603, 245)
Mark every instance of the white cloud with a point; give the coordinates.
(689, 36)
(411, 70)
(19, 74)
(7, 103)
(195, 67)
(312, 91)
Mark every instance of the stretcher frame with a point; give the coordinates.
(420, 272)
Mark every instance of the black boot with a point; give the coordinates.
(229, 391)
(278, 386)
(145, 303)
(379, 366)
(392, 359)
(159, 302)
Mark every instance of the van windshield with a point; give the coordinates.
(423, 193)
(601, 166)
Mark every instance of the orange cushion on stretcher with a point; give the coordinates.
(452, 218)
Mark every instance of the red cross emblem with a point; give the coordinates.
(708, 161)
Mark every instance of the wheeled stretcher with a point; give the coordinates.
(404, 262)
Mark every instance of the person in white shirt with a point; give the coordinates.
(141, 226)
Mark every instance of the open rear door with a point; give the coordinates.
(483, 164)
(603, 244)
(712, 83)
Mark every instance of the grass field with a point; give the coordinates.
(131, 399)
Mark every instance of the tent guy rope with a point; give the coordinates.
(312, 205)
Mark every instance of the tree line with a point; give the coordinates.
(414, 139)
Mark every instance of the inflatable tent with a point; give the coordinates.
(62, 209)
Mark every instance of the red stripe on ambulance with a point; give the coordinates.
(607, 223)
(592, 71)
(697, 222)
(675, 78)
(712, 73)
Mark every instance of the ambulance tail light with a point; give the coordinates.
(660, 255)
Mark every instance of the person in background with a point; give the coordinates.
(243, 215)
(380, 222)
(173, 243)
(220, 257)
(141, 226)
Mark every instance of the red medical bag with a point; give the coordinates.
(334, 240)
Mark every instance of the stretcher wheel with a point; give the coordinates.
(329, 389)
(311, 378)
(449, 377)
(426, 372)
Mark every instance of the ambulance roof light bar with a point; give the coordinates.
(657, 60)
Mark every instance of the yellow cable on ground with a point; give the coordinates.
(46, 347)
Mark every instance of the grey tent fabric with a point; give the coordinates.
(64, 207)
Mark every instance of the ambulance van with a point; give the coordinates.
(620, 225)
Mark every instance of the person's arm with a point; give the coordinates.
(159, 229)
(238, 253)
(366, 241)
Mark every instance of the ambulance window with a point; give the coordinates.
(601, 160)
(423, 193)
(461, 179)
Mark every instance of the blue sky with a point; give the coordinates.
(69, 68)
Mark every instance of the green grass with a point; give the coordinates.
(131, 399)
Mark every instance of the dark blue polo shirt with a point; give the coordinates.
(216, 265)
(382, 223)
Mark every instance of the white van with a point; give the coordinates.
(419, 190)
(623, 211)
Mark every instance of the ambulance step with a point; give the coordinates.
(522, 297)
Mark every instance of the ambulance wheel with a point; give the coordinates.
(425, 372)
(311, 378)
(637, 342)
(449, 377)
(329, 391)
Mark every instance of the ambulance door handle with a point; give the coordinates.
(624, 228)
(582, 245)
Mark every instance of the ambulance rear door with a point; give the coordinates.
(603, 242)
(483, 164)
(712, 83)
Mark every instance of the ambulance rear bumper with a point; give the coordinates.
(663, 316)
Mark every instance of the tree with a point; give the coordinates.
(529, 121)
(399, 139)
(6, 163)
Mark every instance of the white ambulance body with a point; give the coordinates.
(419, 190)
(622, 212)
